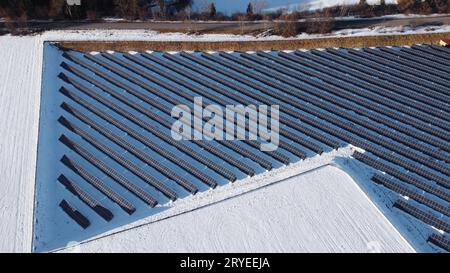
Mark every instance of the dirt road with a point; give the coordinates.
(220, 27)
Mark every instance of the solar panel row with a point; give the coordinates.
(139, 192)
(440, 240)
(399, 78)
(240, 165)
(356, 91)
(422, 215)
(407, 63)
(374, 84)
(264, 163)
(391, 82)
(95, 181)
(401, 175)
(326, 98)
(389, 183)
(416, 75)
(86, 198)
(337, 110)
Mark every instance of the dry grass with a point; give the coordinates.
(349, 42)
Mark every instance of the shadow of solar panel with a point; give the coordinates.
(74, 214)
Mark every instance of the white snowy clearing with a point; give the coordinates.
(20, 78)
(323, 210)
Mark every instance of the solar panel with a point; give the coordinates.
(368, 104)
(139, 192)
(291, 136)
(407, 63)
(127, 146)
(417, 59)
(338, 111)
(240, 165)
(407, 178)
(124, 162)
(86, 198)
(74, 214)
(389, 183)
(98, 184)
(312, 146)
(440, 48)
(264, 163)
(430, 59)
(418, 85)
(403, 88)
(413, 74)
(138, 153)
(377, 139)
(422, 215)
(383, 88)
(440, 240)
(431, 51)
(386, 73)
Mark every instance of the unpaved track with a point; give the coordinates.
(222, 27)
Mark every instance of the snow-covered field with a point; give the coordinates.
(20, 84)
(323, 210)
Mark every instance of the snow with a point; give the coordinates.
(20, 78)
(287, 216)
(148, 35)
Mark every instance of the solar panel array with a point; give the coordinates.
(115, 120)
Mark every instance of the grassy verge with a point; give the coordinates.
(362, 41)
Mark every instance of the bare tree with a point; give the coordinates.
(259, 6)
(203, 6)
(127, 8)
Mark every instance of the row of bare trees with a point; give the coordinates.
(91, 9)
(22, 10)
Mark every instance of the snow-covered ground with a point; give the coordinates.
(20, 84)
(323, 210)
(148, 35)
